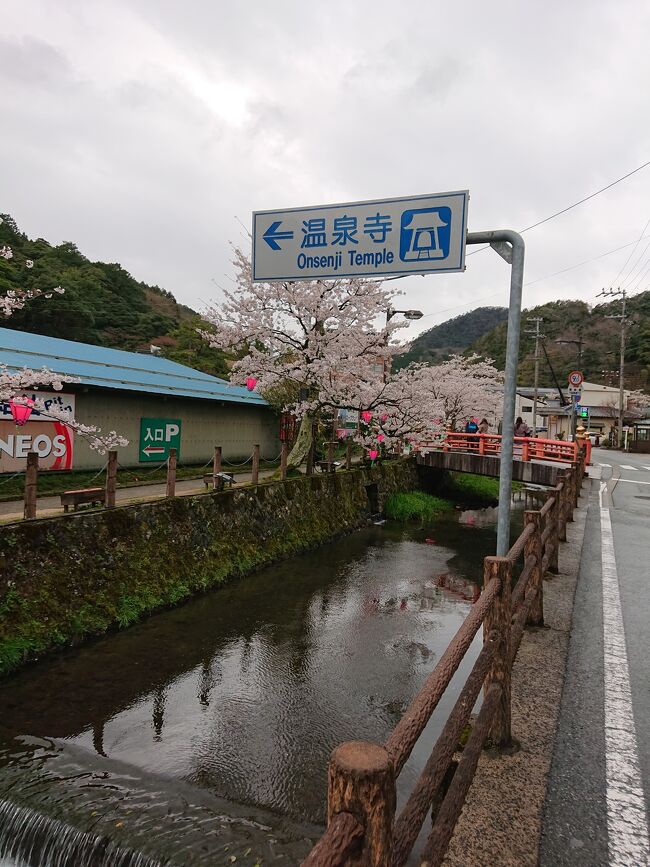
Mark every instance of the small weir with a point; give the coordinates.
(203, 733)
(29, 839)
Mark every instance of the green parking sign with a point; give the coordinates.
(157, 437)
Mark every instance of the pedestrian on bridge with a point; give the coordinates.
(484, 426)
(521, 428)
(471, 427)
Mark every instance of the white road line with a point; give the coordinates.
(646, 468)
(627, 467)
(627, 825)
(632, 481)
(605, 465)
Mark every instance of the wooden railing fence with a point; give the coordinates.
(362, 828)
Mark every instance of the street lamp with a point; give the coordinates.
(411, 315)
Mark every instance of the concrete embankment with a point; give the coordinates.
(71, 576)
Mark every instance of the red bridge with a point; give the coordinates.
(534, 460)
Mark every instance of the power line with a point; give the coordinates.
(618, 276)
(574, 205)
(632, 275)
(586, 198)
(536, 280)
(552, 217)
(585, 262)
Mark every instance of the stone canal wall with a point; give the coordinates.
(67, 577)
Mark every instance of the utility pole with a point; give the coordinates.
(537, 320)
(622, 317)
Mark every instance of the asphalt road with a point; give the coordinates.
(598, 800)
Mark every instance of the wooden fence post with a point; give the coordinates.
(554, 539)
(570, 497)
(499, 619)
(348, 453)
(577, 473)
(533, 548)
(330, 454)
(564, 499)
(256, 465)
(361, 781)
(31, 485)
(216, 466)
(111, 479)
(284, 454)
(171, 473)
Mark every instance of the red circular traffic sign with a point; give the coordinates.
(576, 377)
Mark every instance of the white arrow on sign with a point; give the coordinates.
(154, 450)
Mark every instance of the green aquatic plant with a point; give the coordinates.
(415, 505)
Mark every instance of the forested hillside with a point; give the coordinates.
(593, 342)
(102, 303)
(451, 337)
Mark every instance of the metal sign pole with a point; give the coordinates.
(510, 246)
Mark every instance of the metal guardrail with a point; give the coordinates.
(525, 448)
(362, 826)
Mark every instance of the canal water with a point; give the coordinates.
(201, 736)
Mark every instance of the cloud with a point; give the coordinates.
(143, 132)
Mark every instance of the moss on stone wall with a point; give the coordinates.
(76, 575)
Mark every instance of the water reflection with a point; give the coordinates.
(245, 692)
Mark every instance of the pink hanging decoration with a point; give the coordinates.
(366, 416)
(383, 417)
(380, 438)
(251, 382)
(372, 454)
(21, 410)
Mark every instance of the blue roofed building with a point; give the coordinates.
(138, 395)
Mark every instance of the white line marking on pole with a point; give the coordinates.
(627, 467)
(627, 825)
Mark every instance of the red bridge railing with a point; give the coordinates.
(363, 828)
(525, 448)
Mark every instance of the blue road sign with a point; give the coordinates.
(414, 235)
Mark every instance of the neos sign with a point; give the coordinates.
(51, 440)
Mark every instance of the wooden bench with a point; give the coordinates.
(221, 479)
(83, 495)
(329, 466)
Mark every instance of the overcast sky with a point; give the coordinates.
(143, 130)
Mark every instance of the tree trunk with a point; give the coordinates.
(303, 441)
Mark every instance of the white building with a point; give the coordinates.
(598, 410)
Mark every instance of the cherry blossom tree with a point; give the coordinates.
(14, 384)
(312, 347)
(421, 402)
